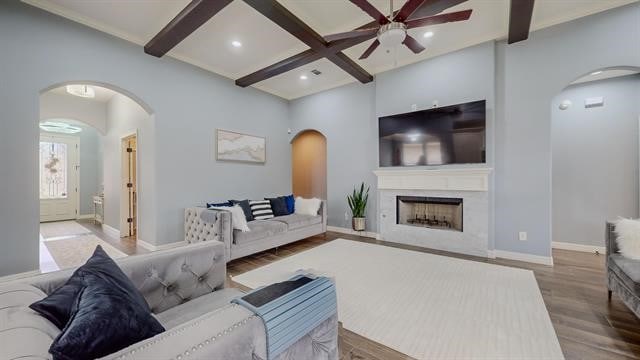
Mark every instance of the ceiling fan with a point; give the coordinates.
(391, 31)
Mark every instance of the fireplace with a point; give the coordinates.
(430, 212)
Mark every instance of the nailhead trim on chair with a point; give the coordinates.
(182, 329)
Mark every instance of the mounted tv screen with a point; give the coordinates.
(453, 134)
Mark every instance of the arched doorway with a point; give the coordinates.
(89, 174)
(595, 161)
(309, 164)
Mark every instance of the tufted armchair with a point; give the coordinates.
(184, 287)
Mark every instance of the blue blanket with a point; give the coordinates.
(290, 316)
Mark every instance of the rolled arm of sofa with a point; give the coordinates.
(201, 224)
(230, 332)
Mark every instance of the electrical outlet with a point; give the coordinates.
(435, 104)
(414, 107)
(346, 215)
(522, 235)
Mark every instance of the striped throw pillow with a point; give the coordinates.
(261, 209)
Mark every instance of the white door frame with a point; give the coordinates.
(124, 193)
(76, 173)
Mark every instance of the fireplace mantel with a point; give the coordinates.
(460, 179)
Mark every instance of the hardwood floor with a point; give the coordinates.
(127, 245)
(574, 291)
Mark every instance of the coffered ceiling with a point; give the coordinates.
(264, 43)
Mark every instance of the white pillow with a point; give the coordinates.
(628, 231)
(238, 220)
(307, 206)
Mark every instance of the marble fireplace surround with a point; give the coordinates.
(470, 184)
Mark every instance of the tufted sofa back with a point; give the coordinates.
(201, 224)
(165, 278)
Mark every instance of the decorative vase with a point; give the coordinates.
(358, 223)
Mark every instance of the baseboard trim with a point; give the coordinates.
(152, 247)
(536, 259)
(85, 216)
(579, 247)
(19, 276)
(111, 231)
(343, 230)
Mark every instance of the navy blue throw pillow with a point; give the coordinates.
(278, 206)
(291, 203)
(107, 314)
(246, 208)
(223, 204)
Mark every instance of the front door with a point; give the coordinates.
(58, 177)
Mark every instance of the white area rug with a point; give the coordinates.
(62, 228)
(428, 306)
(75, 251)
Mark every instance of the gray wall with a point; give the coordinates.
(529, 75)
(124, 117)
(346, 117)
(595, 159)
(188, 104)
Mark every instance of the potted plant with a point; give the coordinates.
(358, 204)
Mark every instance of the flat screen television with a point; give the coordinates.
(453, 134)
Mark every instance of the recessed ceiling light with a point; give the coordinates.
(428, 34)
(303, 77)
(84, 91)
(596, 72)
(236, 43)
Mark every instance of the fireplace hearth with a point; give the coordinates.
(429, 212)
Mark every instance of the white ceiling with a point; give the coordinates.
(103, 95)
(264, 43)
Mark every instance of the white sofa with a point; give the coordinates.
(201, 224)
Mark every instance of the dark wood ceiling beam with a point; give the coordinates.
(284, 18)
(277, 13)
(520, 14)
(298, 60)
(186, 22)
(280, 67)
(350, 66)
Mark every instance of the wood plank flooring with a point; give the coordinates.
(574, 290)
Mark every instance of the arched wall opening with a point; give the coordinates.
(309, 164)
(594, 155)
(105, 196)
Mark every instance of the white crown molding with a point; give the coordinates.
(152, 247)
(459, 179)
(579, 247)
(536, 259)
(111, 231)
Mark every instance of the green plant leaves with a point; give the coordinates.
(358, 200)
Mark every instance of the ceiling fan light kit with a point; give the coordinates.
(392, 34)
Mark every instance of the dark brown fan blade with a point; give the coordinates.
(520, 14)
(407, 9)
(413, 44)
(439, 19)
(433, 7)
(350, 34)
(371, 10)
(370, 49)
